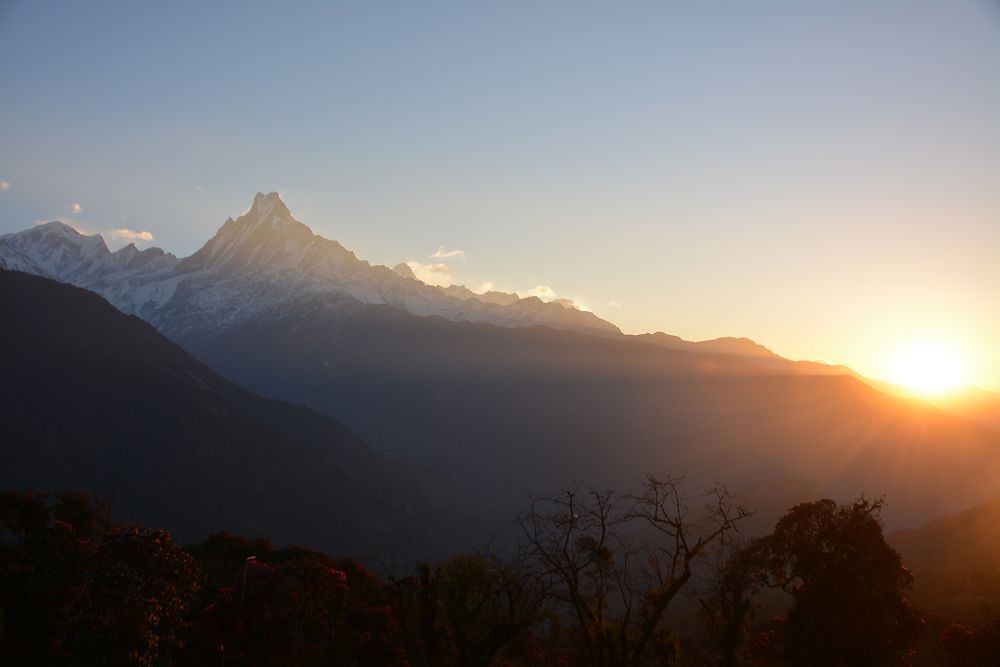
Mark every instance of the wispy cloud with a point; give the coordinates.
(615, 304)
(131, 234)
(198, 188)
(443, 253)
(4, 185)
(432, 274)
(75, 207)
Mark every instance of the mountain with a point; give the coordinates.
(747, 349)
(100, 401)
(741, 347)
(977, 405)
(262, 258)
(954, 562)
(513, 412)
(969, 403)
(512, 397)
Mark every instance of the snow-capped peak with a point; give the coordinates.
(53, 249)
(262, 237)
(269, 208)
(264, 260)
(57, 227)
(403, 269)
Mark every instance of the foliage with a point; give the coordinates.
(76, 590)
(973, 647)
(139, 597)
(291, 607)
(48, 545)
(592, 585)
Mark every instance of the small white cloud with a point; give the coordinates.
(443, 253)
(432, 274)
(547, 294)
(4, 185)
(485, 287)
(75, 207)
(615, 304)
(543, 292)
(131, 235)
(199, 188)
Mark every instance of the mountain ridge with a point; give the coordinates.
(531, 410)
(268, 254)
(266, 258)
(501, 398)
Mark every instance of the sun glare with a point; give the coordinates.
(928, 368)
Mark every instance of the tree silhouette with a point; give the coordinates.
(846, 583)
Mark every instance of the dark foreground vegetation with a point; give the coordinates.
(601, 579)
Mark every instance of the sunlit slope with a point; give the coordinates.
(517, 411)
(95, 400)
(970, 403)
(975, 404)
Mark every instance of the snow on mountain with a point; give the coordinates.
(54, 249)
(263, 260)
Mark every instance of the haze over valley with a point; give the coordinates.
(509, 397)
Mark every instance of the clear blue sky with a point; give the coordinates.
(822, 177)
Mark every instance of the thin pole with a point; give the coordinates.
(243, 590)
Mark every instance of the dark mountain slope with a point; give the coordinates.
(519, 411)
(969, 539)
(97, 400)
(956, 562)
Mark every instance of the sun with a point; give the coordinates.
(928, 368)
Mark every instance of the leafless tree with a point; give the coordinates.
(617, 562)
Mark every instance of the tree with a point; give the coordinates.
(296, 606)
(75, 589)
(973, 647)
(617, 563)
(727, 604)
(847, 586)
(48, 547)
(138, 599)
(475, 607)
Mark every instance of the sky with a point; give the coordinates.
(821, 177)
